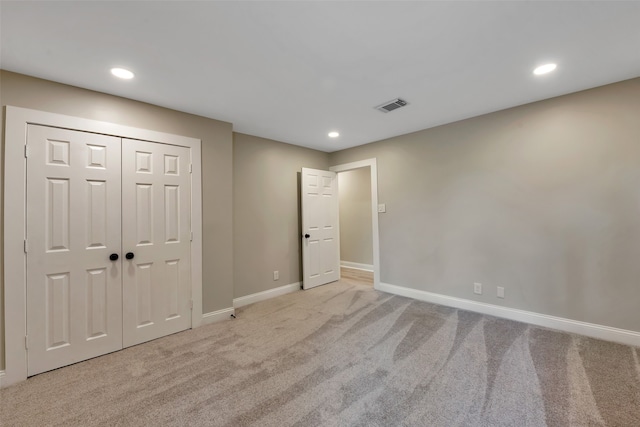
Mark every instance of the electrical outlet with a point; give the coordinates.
(276, 275)
(382, 208)
(500, 292)
(477, 288)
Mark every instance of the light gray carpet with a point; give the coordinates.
(343, 355)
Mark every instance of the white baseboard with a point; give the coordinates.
(1, 375)
(356, 265)
(592, 330)
(261, 296)
(217, 316)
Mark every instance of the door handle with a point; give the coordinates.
(306, 236)
(113, 257)
(129, 255)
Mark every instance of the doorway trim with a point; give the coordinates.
(375, 237)
(14, 210)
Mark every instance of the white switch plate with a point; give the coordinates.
(477, 288)
(276, 275)
(382, 208)
(500, 292)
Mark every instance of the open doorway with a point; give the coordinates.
(355, 216)
(359, 238)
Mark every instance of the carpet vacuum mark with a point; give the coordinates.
(343, 354)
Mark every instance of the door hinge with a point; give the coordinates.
(191, 304)
(26, 342)
(190, 167)
(26, 247)
(26, 151)
(191, 236)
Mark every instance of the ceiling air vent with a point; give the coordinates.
(391, 105)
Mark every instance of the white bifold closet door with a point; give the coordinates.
(156, 230)
(92, 198)
(74, 291)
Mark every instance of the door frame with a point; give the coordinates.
(14, 208)
(373, 169)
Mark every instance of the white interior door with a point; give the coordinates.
(320, 228)
(156, 224)
(74, 295)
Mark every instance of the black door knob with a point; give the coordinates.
(113, 257)
(129, 255)
(306, 236)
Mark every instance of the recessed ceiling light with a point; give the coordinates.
(122, 73)
(333, 134)
(544, 69)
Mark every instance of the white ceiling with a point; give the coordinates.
(293, 71)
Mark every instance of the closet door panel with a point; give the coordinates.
(156, 220)
(74, 289)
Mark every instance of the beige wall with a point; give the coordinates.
(216, 136)
(542, 199)
(356, 244)
(266, 207)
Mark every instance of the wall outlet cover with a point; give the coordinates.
(382, 208)
(477, 288)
